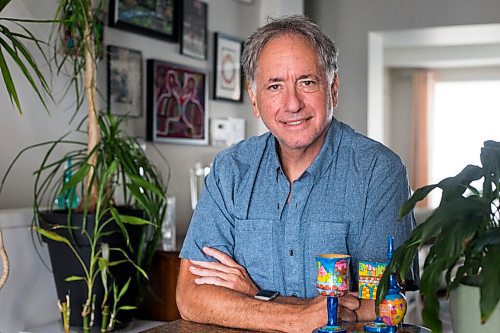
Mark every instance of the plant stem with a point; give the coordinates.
(86, 317)
(91, 186)
(105, 318)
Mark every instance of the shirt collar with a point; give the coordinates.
(327, 152)
(325, 157)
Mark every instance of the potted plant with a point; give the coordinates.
(464, 234)
(112, 247)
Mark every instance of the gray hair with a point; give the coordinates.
(295, 25)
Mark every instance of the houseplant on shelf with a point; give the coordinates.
(464, 233)
(112, 247)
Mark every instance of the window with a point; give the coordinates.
(464, 114)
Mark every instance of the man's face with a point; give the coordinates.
(292, 94)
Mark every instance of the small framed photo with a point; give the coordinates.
(194, 29)
(228, 79)
(153, 18)
(125, 90)
(176, 103)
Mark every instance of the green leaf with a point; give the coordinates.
(52, 235)
(117, 262)
(430, 315)
(429, 284)
(118, 220)
(125, 255)
(109, 173)
(24, 61)
(451, 211)
(3, 3)
(74, 278)
(418, 195)
(9, 83)
(77, 178)
(490, 237)
(124, 289)
(490, 282)
(454, 187)
(127, 307)
(140, 182)
(134, 220)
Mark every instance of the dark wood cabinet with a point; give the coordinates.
(160, 302)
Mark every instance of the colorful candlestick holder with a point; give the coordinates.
(332, 281)
(392, 308)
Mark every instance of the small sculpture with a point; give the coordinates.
(392, 308)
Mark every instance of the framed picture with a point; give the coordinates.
(125, 81)
(154, 18)
(228, 79)
(194, 29)
(176, 103)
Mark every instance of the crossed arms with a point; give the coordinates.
(222, 293)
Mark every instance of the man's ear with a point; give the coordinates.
(335, 90)
(253, 100)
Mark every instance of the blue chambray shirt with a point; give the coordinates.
(345, 202)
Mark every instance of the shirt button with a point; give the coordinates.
(291, 253)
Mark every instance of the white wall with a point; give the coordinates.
(349, 22)
(16, 132)
(29, 297)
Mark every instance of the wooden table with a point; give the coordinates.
(181, 326)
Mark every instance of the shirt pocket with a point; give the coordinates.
(254, 249)
(323, 237)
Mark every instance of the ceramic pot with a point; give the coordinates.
(465, 312)
(64, 262)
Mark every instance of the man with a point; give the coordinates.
(272, 203)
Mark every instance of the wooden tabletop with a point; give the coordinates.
(181, 326)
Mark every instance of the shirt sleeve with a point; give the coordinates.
(387, 190)
(212, 224)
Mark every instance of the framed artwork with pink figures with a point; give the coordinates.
(176, 103)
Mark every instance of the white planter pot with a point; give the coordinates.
(465, 313)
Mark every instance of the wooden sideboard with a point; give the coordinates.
(160, 303)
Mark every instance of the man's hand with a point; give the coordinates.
(348, 304)
(225, 273)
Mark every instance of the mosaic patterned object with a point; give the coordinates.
(333, 275)
(370, 273)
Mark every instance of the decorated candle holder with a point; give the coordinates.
(369, 275)
(392, 308)
(332, 281)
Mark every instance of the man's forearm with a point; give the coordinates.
(222, 306)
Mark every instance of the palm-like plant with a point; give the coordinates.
(106, 161)
(464, 231)
(80, 24)
(12, 45)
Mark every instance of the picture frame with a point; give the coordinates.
(228, 78)
(125, 84)
(194, 31)
(177, 102)
(156, 18)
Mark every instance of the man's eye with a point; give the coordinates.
(308, 83)
(274, 87)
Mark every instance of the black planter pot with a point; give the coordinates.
(65, 263)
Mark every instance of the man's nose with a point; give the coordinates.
(293, 100)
